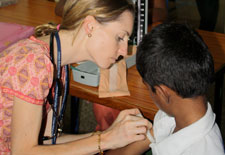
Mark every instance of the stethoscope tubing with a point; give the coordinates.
(57, 119)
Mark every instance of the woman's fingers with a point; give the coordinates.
(138, 137)
(140, 121)
(134, 111)
(128, 112)
(148, 123)
(129, 127)
(129, 131)
(123, 114)
(138, 126)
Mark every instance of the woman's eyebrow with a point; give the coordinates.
(127, 33)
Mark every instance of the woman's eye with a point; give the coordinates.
(120, 39)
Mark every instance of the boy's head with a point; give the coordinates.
(174, 55)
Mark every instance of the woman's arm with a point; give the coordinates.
(65, 138)
(26, 123)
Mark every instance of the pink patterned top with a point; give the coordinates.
(27, 73)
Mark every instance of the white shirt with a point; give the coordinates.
(200, 138)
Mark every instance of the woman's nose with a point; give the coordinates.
(123, 49)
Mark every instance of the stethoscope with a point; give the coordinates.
(54, 101)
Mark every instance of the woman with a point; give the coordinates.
(93, 30)
(104, 115)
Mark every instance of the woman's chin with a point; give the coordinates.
(105, 66)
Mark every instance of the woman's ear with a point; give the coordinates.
(89, 24)
(163, 93)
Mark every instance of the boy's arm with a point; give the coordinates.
(136, 148)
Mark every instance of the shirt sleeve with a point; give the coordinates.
(29, 74)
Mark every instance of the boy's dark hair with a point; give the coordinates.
(175, 55)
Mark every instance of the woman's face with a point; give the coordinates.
(110, 40)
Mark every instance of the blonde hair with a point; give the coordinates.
(45, 29)
(75, 11)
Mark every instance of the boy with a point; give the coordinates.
(177, 67)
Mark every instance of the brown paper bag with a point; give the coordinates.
(113, 81)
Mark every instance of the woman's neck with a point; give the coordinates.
(72, 49)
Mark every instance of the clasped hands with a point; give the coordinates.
(128, 127)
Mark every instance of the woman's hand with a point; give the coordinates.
(126, 129)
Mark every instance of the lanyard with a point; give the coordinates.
(54, 101)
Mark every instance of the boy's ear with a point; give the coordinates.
(163, 93)
(89, 23)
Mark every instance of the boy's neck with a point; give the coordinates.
(189, 111)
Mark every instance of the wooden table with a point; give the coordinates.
(36, 12)
(30, 12)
